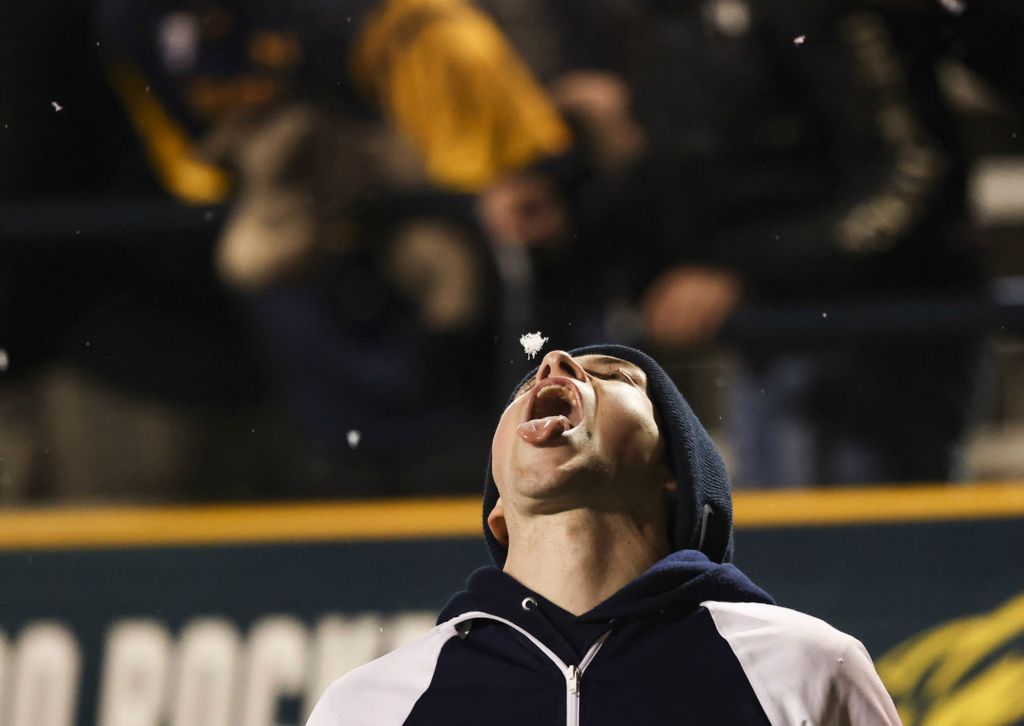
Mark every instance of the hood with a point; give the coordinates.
(676, 584)
(700, 513)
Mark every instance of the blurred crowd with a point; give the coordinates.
(259, 249)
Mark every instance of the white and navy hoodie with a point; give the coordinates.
(688, 642)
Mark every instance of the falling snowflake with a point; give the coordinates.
(353, 437)
(5, 360)
(954, 7)
(56, 106)
(799, 40)
(532, 343)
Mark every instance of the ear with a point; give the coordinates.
(671, 487)
(496, 521)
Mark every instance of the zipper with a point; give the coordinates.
(572, 673)
(573, 676)
(572, 695)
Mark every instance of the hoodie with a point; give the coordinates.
(689, 641)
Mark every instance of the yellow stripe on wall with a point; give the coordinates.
(64, 528)
(875, 505)
(161, 526)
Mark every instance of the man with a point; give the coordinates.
(609, 518)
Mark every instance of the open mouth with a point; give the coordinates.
(554, 408)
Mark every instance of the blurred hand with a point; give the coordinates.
(525, 210)
(686, 306)
(600, 103)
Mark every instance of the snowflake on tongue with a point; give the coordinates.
(532, 343)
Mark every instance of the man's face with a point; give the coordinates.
(582, 430)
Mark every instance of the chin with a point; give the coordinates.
(551, 472)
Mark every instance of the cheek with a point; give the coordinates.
(501, 444)
(631, 434)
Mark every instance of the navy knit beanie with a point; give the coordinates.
(700, 513)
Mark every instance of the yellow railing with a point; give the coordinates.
(117, 526)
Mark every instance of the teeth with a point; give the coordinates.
(559, 391)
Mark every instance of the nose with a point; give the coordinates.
(560, 363)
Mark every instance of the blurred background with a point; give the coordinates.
(254, 251)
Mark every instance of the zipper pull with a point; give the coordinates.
(574, 679)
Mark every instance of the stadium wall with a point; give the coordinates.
(243, 614)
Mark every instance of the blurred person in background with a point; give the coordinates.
(794, 154)
(347, 137)
(832, 174)
(126, 370)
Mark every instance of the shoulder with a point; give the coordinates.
(786, 646)
(802, 669)
(383, 691)
(759, 622)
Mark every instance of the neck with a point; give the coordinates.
(580, 557)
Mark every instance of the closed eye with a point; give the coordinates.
(616, 374)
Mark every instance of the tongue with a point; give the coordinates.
(540, 430)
